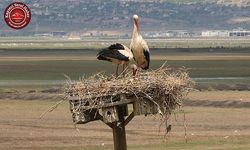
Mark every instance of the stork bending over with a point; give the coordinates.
(118, 54)
(139, 47)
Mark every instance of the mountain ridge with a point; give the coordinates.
(79, 15)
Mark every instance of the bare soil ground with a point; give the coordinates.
(243, 96)
(207, 127)
(222, 99)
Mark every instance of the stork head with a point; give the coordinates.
(136, 18)
(134, 68)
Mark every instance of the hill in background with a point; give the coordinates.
(84, 15)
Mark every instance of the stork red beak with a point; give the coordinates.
(134, 72)
(136, 24)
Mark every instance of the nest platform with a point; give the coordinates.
(98, 97)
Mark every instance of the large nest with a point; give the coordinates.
(165, 87)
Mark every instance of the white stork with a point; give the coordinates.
(117, 54)
(139, 47)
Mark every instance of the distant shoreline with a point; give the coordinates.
(95, 43)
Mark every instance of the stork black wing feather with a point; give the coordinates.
(116, 46)
(133, 54)
(147, 57)
(101, 57)
(112, 52)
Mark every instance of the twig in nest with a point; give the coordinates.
(51, 108)
(152, 100)
(185, 125)
(164, 87)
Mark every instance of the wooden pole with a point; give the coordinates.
(119, 133)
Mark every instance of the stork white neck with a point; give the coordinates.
(136, 27)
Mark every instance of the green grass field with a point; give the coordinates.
(51, 70)
(214, 143)
(55, 70)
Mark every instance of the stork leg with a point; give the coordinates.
(116, 72)
(138, 71)
(123, 71)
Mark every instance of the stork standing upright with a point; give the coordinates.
(139, 47)
(118, 54)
